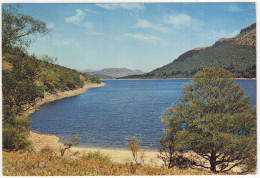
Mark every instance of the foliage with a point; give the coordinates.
(14, 134)
(48, 59)
(134, 144)
(214, 119)
(28, 165)
(95, 79)
(17, 28)
(97, 156)
(171, 155)
(19, 88)
(74, 141)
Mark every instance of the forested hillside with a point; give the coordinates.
(238, 55)
(26, 78)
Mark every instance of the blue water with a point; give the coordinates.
(105, 116)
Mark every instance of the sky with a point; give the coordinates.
(135, 36)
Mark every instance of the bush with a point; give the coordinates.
(97, 156)
(95, 79)
(14, 134)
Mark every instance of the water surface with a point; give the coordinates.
(105, 116)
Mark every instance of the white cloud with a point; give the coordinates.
(148, 25)
(50, 26)
(215, 35)
(183, 20)
(77, 18)
(234, 8)
(89, 27)
(123, 6)
(178, 20)
(143, 37)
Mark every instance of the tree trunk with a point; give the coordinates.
(213, 166)
(213, 162)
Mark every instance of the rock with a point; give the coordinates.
(42, 165)
(249, 28)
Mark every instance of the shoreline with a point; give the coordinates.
(176, 79)
(52, 142)
(41, 141)
(48, 97)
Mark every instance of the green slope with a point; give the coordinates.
(240, 60)
(237, 55)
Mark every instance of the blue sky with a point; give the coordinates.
(136, 36)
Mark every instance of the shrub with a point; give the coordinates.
(97, 156)
(95, 79)
(14, 136)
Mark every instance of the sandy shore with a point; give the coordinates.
(125, 156)
(57, 96)
(51, 142)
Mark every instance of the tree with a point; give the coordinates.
(49, 60)
(134, 144)
(215, 120)
(19, 94)
(17, 28)
(95, 79)
(74, 141)
(19, 88)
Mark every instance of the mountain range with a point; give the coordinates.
(110, 73)
(237, 54)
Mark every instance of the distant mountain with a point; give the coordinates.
(237, 54)
(114, 72)
(87, 70)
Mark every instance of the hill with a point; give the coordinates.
(101, 76)
(114, 72)
(26, 80)
(237, 54)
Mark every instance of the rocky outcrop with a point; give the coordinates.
(247, 36)
(249, 28)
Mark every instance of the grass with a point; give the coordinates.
(92, 164)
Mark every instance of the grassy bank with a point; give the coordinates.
(94, 164)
